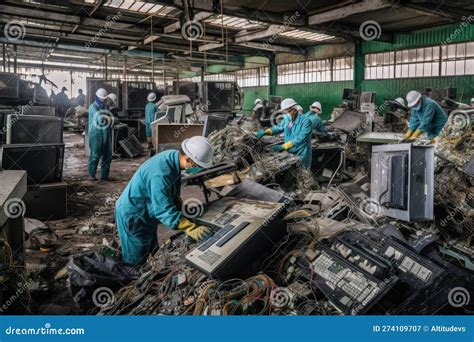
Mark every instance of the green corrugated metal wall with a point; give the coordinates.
(391, 89)
(330, 93)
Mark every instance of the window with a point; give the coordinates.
(343, 69)
(247, 77)
(379, 65)
(445, 60)
(421, 62)
(318, 71)
(457, 59)
(291, 73)
(264, 77)
(220, 77)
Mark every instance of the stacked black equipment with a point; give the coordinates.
(34, 143)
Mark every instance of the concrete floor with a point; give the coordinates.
(87, 202)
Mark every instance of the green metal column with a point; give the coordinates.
(272, 74)
(359, 65)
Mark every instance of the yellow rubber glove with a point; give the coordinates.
(434, 140)
(194, 231)
(408, 134)
(268, 131)
(416, 134)
(288, 145)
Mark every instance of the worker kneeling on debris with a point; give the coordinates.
(297, 132)
(426, 117)
(153, 196)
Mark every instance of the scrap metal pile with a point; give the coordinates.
(344, 250)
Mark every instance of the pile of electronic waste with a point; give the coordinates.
(389, 234)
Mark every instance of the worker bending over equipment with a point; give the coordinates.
(153, 196)
(297, 132)
(426, 116)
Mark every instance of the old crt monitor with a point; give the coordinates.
(402, 181)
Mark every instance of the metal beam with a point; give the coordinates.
(268, 47)
(270, 31)
(177, 25)
(346, 11)
(210, 46)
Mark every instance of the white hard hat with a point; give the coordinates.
(257, 101)
(472, 100)
(151, 97)
(199, 149)
(101, 93)
(317, 105)
(287, 104)
(113, 97)
(413, 97)
(299, 108)
(400, 100)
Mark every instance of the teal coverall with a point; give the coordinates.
(150, 110)
(316, 122)
(148, 199)
(99, 140)
(429, 118)
(300, 134)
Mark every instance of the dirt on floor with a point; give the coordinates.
(90, 220)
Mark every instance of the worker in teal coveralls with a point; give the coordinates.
(316, 122)
(100, 121)
(297, 132)
(150, 110)
(153, 196)
(426, 116)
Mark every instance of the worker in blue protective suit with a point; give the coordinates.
(426, 116)
(153, 196)
(316, 122)
(100, 122)
(297, 132)
(150, 111)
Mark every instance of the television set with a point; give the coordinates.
(34, 129)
